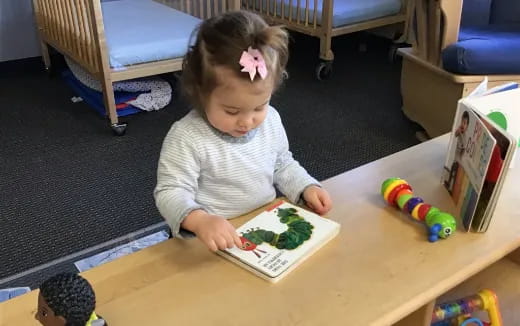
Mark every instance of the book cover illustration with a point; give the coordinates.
(501, 157)
(503, 108)
(469, 153)
(280, 237)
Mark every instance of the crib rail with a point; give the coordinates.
(202, 8)
(306, 15)
(70, 26)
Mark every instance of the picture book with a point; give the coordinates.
(502, 105)
(279, 239)
(479, 155)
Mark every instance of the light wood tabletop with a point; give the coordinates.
(378, 270)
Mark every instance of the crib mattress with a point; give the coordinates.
(345, 12)
(140, 31)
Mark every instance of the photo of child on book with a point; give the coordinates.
(230, 153)
(460, 134)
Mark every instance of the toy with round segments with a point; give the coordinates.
(397, 192)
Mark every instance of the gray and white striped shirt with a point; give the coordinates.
(202, 168)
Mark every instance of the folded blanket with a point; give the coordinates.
(156, 93)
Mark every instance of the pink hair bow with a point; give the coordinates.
(253, 62)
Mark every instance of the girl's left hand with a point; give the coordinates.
(317, 199)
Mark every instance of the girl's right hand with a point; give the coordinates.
(214, 231)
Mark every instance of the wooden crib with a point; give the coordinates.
(315, 18)
(75, 28)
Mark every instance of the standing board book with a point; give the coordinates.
(479, 156)
(279, 239)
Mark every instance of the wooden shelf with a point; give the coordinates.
(503, 277)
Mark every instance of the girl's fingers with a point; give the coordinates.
(221, 242)
(212, 245)
(236, 239)
(230, 242)
(327, 203)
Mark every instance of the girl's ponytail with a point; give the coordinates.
(273, 42)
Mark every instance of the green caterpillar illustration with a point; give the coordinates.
(298, 231)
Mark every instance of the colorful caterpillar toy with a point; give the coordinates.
(397, 192)
(298, 231)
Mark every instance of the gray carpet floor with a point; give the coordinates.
(67, 184)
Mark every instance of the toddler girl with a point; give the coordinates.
(225, 157)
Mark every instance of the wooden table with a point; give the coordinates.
(380, 269)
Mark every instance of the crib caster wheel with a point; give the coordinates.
(50, 71)
(392, 53)
(119, 128)
(324, 70)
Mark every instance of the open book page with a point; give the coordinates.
(503, 107)
(470, 149)
(278, 238)
(494, 175)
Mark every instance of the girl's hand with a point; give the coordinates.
(214, 231)
(317, 199)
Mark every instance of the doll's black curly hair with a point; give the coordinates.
(71, 296)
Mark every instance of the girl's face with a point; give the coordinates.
(238, 105)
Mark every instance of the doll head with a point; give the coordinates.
(66, 299)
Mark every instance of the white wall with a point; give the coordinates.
(18, 36)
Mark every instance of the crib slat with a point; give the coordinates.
(89, 40)
(315, 18)
(77, 29)
(86, 33)
(54, 19)
(69, 27)
(188, 7)
(93, 46)
(41, 16)
(81, 30)
(74, 32)
(306, 13)
(49, 23)
(298, 12)
(66, 25)
(290, 10)
(43, 13)
(61, 23)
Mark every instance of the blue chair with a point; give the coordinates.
(455, 45)
(489, 39)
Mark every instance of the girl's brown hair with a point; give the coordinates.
(220, 41)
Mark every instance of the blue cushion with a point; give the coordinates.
(345, 12)
(494, 49)
(94, 99)
(505, 12)
(475, 13)
(139, 31)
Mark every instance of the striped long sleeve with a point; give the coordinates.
(201, 168)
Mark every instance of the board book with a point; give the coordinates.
(279, 239)
(481, 150)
